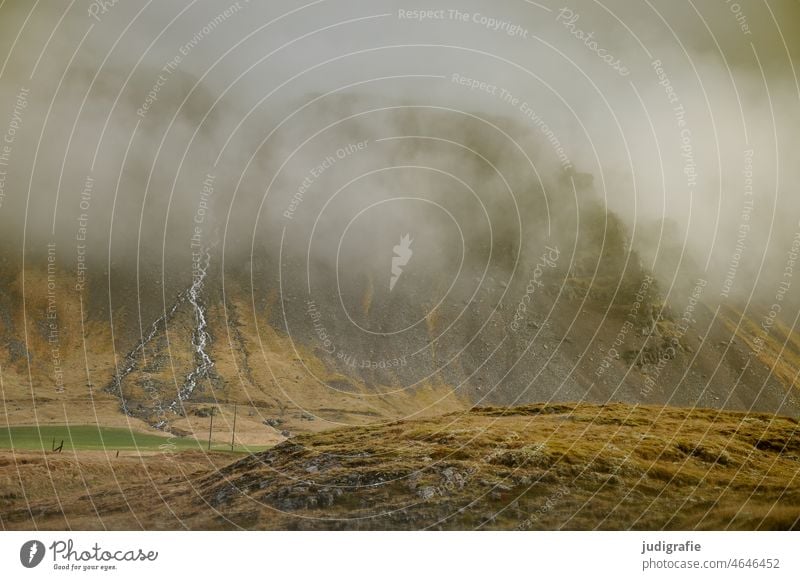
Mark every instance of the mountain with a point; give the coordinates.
(574, 317)
(350, 296)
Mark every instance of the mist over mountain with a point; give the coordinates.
(368, 213)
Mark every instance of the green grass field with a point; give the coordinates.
(91, 437)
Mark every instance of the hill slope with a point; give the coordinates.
(562, 466)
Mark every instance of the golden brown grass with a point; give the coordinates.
(559, 466)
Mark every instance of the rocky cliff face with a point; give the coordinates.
(324, 334)
(353, 291)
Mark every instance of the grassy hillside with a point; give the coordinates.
(548, 466)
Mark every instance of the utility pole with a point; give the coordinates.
(210, 426)
(233, 435)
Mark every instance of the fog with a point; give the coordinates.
(137, 131)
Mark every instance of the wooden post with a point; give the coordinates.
(233, 435)
(210, 426)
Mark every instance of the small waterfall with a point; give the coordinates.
(201, 339)
(131, 359)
